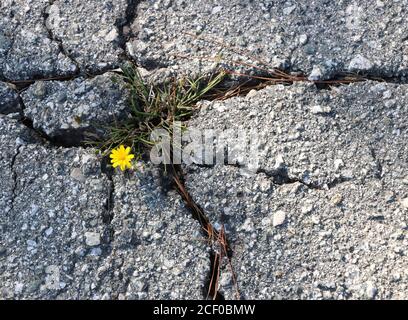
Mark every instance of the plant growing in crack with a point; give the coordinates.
(154, 107)
(121, 157)
(158, 107)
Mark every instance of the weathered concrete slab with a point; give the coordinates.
(27, 50)
(293, 242)
(324, 215)
(12, 137)
(89, 31)
(159, 250)
(54, 236)
(68, 110)
(308, 228)
(319, 137)
(319, 38)
(9, 99)
(57, 239)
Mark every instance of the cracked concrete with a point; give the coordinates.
(9, 99)
(322, 215)
(46, 13)
(14, 178)
(11, 142)
(71, 111)
(292, 242)
(59, 200)
(59, 242)
(304, 223)
(318, 38)
(109, 212)
(163, 252)
(96, 45)
(26, 51)
(47, 39)
(314, 136)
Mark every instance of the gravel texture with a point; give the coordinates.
(12, 137)
(69, 232)
(9, 99)
(47, 39)
(323, 212)
(27, 51)
(158, 247)
(308, 228)
(293, 242)
(69, 110)
(59, 196)
(318, 137)
(95, 45)
(319, 38)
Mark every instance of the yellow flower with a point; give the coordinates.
(121, 157)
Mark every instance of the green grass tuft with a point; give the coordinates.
(153, 107)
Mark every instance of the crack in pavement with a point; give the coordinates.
(336, 80)
(52, 37)
(14, 177)
(281, 177)
(217, 240)
(108, 213)
(378, 165)
(23, 85)
(121, 23)
(130, 16)
(28, 123)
